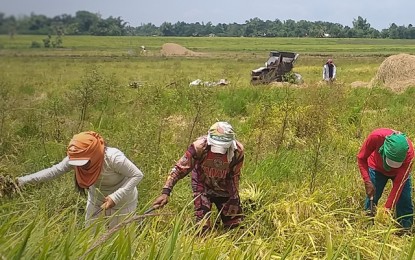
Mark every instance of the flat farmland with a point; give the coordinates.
(301, 190)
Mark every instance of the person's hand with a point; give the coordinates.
(108, 203)
(370, 189)
(16, 181)
(162, 200)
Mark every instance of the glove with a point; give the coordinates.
(370, 189)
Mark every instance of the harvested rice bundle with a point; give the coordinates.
(8, 186)
(396, 72)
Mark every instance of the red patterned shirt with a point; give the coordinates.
(212, 174)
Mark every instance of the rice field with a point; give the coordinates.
(301, 190)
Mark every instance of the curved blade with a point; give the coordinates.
(97, 212)
(149, 210)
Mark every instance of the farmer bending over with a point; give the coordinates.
(387, 154)
(109, 176)
(215, 161)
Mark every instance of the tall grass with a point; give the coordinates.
(301, 190)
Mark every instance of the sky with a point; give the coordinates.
(379, 13)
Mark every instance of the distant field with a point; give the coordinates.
(117, 45)
(234, 57)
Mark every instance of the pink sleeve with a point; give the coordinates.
(398, 183)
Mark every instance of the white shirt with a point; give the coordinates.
(118, 179)
(326, 72)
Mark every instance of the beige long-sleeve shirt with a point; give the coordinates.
(118, 179)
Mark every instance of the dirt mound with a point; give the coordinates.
(396, 72)
(173, 49)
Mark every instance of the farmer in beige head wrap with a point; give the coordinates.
(215, 161)
(109, 177)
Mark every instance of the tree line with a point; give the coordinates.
(87, 23)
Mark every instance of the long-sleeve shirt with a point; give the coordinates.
(369, 157)
(329, 73)
(212, 174)
(118, 179)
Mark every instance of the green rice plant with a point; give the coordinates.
(300, 187)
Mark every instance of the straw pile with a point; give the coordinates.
(173, 49)
(397, 72)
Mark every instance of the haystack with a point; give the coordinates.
(173, 49)
(396, 72)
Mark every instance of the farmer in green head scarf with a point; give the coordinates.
(387, 154)
(394, 150)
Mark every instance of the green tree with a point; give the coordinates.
(393, 31)
(85, 21)
(166, 29)
(254, 27)
(411, 32)
(362, 29)
(147, 29)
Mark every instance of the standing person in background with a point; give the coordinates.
(387, 154)
(329, 71)
(108, 175)
(215, 161)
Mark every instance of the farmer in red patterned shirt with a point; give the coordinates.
(215, 161)
(387, 154)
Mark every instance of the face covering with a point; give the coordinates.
(86, 146)
(394, 150)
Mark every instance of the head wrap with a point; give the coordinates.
(221, 139)
(394, 150)
(86, 147)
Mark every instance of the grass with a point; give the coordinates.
(301, 190)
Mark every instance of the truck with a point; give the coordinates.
(278, 68)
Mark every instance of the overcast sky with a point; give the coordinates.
(379, 13)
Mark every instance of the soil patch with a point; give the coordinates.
(173, 49)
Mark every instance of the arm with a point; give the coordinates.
(398, 184)
(368, 147)
(334, 71)
(180, 169)
(122, 165)
(46, 174)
